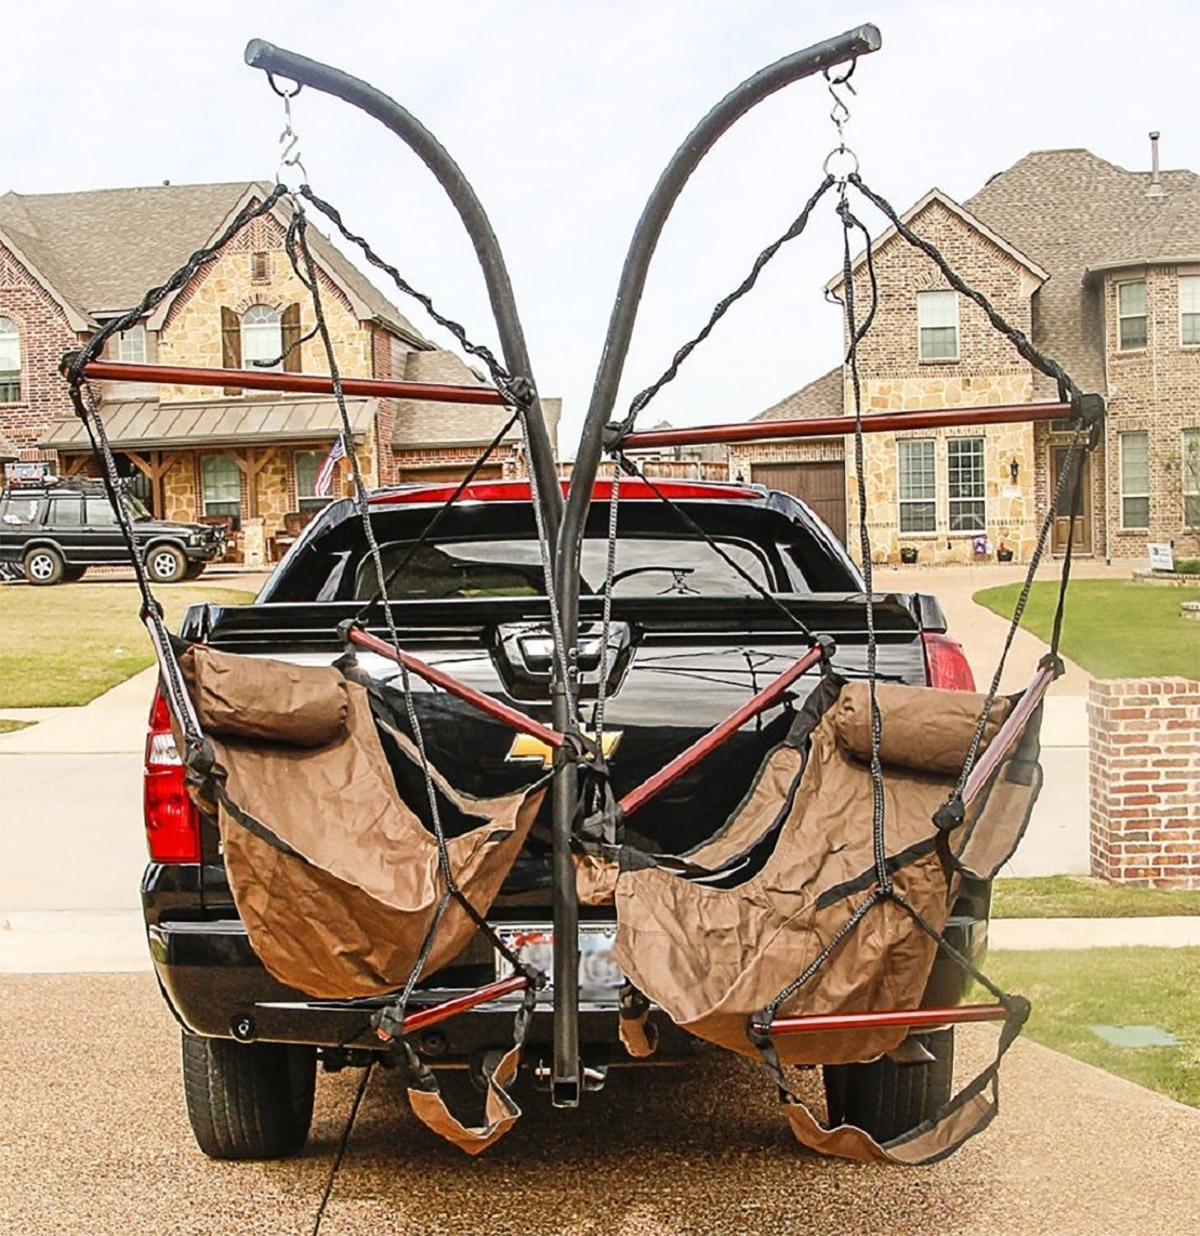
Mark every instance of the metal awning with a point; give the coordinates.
(149, 424)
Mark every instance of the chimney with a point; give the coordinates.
(1156, 189)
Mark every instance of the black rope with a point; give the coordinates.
(856, 334)
(344, 1142)
(722, 307)
(296, 245)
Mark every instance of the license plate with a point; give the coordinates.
(599, 975)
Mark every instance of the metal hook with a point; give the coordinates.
(289, 139)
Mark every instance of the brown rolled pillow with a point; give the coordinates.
(924, 728)
(250, 697)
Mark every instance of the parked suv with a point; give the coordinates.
(54, 530)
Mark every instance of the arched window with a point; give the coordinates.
(10, 361)
(262, 337)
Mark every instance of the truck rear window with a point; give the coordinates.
(645, 567)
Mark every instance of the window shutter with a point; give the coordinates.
(231, 344)
(291, 335)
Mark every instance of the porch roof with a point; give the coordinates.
(148, 424)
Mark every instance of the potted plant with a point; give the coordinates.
(1003, 553)
(908, 554)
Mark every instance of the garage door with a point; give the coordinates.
(449, 475)
(821, 483)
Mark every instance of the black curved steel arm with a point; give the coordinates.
(271, 59)
(844, 47)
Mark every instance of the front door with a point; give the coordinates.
(1062, 518)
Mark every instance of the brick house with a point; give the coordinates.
(71, 261)
(1102, 265)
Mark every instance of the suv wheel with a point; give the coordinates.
(44, 566)
(248, 1101)
(887, 1099)
(166, 564)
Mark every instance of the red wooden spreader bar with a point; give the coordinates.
(823, 427)
(1009, 733)
(892, 1017)
(512, 717)
(297, 383)
(719, 734)
(440, 1012)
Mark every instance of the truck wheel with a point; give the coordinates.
(166, 564)
(887, 1099)
(248, 1101)
(44, 565)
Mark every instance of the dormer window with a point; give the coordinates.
(10, 362)
(937, 325)
(1189, 310)
(1131, 316)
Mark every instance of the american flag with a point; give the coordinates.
(325, 476)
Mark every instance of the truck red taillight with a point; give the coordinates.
(172, 821)
(946, 664)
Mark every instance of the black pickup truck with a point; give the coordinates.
(693, 641)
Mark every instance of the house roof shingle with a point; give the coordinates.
(1075, 213)
(821, 397)
(103, 248)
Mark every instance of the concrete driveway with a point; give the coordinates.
(93, 1141)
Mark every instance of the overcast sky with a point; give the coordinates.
(562, 115)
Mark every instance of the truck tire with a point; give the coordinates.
(887, 1099)
(44, 565)
(166, 563)
(248, 1101)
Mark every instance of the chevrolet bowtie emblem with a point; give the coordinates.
(526, 747)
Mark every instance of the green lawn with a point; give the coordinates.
(1113, 628)
(10, 727)
(66, 645)
(1072, 990)
(1086, 897)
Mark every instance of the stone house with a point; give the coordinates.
(1102, 267)
(71, 261)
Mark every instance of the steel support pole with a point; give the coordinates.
(839, 50)
(271, 59)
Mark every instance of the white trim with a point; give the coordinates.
(1122, 434)
(936, 195)
(982, 440)
(901, 501)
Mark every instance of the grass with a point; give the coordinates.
(1072, 990)
(11, 727)
(67, 645)
(1113, 628)
(1085, 897)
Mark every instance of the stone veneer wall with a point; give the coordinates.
(1144, 754)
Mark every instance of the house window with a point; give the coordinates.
(918, 485)
(308, 465)
(1191, 478)
(1135, 480)
(937, 325)
(1131, 315)
(1189, 310)
(260, 268)
(965, 484)
(221, 482)
(131, 345)
(262, 338)
(10, 362)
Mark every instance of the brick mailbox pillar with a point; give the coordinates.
(1144, 774)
